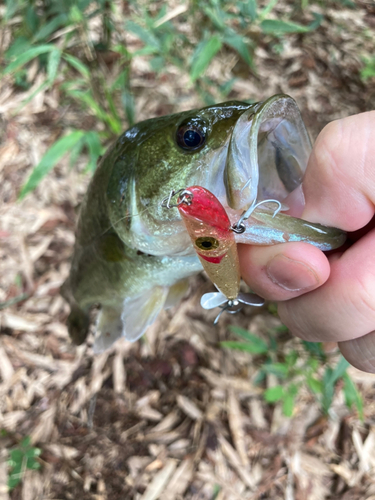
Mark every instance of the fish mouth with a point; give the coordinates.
(267, 154)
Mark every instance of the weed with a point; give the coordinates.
(309, 368)
(71, 143)
(22, 457)
(368, 71)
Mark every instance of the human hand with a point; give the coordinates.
(328, 298)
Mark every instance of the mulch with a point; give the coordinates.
(174, 416)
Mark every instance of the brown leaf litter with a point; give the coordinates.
(174, 416)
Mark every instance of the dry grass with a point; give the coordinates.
(175, 416)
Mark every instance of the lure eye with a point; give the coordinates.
(207, 243)
(192, 135)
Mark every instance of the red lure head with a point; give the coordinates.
(208, 224)
(206, 208)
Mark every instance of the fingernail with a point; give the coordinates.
(291, 274)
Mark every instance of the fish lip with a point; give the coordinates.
(251, 171)
(240, 172)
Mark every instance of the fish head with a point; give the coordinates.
(238, 151)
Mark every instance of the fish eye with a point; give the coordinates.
(207, 243)
(191, 135)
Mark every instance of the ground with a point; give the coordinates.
(174, 416)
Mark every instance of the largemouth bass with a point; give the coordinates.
(132, 256)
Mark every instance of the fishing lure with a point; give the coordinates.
(213, 239)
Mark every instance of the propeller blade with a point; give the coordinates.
(250, 299)
(212, 300)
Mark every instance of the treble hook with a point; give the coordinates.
(240, 228)
(232, 306)
(185, 197)
(228, 307)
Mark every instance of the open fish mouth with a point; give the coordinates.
(268, 153)
(267, 158)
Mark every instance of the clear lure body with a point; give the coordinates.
(214, 241)
(210, 231)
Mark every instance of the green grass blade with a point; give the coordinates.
(249, 9)
(352, 396)
(203, 56)
(328, 389)
(314, 348)
(314, 384)
(267, 9)
(217, 17)
(11, 9)
(239, 45)
(87, 98)
(242, 346)
(112, 106)
(278, 27)
(48, 28)
(280, 370)
(53, 64)
(146, 36)
(78, 65)
(318, 18)
(259, 343)
(330, 377)
(92, 140)
(19, 46)
(27, 57)
(129, 106)
(49, 160)
(76, 151)
(340, 369)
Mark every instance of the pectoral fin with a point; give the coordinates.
(109, 328)
(141, 312)
(131, 321)
(176, 293)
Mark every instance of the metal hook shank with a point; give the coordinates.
(239, 227)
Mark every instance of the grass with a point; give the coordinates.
(70, 40)
(308, 368)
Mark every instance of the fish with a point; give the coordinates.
(132, 257)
